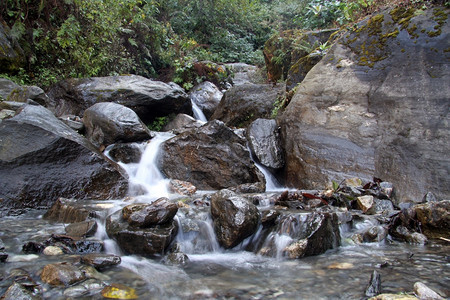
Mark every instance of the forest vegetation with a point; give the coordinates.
(161, 38)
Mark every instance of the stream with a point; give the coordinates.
(215, 273)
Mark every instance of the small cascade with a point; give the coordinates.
(145, 177)
(198, 113)
(272, 184)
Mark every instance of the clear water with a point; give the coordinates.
(215, 273)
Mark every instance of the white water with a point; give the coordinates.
(272, 184)
(145, 177)
(198, 113)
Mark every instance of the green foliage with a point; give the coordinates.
(159, 123)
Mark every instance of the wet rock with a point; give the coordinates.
(241, 105)
(375, 234)
(359, 112)
(234, 218)
(182, 187)
(84, 289)
(181, 123)
(264, 141)
(424, 292)
(61, 274)
(33, 247)
(374, 287)
(393, 297)
(404, 234)
(383, 206)
(42, 159)
(52, 251)
(434, 218)
(119, 291)
(25, 93)
(207, 97)
(269, 217)
(160, 211)
(249, 188)
(150, 242)
(75, 245)
(366, 204)
(176, 257)
(69, 211)
(92, 273)
(210, 157)
(18, 292)
(82, 229)
(100, 261)
(148, 98)
(107, 123)
(387, 188)
(3, 256)
(126, 153)
(306, 234)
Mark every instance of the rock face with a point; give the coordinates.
(12, 56)
(265, 143)
(376, 104)
(151, 241)
(108, 123)
(207, 97)
(434, 218)
(210, 157)
(242, 104)
(42, 159)
(234, 217)
(148, 98)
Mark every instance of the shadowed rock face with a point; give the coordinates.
(377, 104)
(210, 157)
(12, 57)
(148, 98)
(42, 159)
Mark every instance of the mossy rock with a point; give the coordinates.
(12, 57)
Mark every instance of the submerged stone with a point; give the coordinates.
(61, 274)
(101, 261)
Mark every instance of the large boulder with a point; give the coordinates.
(158, 212)
(376, 104)
(434, 218)
(148, 98)
(150, 241)
(234, 217)
(264, 140)
(207, 96)
(42, 159)
(12, 57)
(210, 157)
(107, 123)
(242, 104)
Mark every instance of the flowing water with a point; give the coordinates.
(215, 273)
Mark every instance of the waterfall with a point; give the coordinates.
(198, 113)
(272, 183)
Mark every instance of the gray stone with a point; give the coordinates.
(108, 123)
(148, 98)
(424, 292)
(42, 159)
(6, 87)
(85, 289)
(264, 140)
(101, 261)
(234, 218)
(125, 153)
(207, 97)
(18, 292)
(429, 197)
(210, 157)
(158, 212)
(244, 74)
(61, 274)
(383, 205)
(242, 104)
(378, 112)
(181, 123)
(374, 287)
(82, 229)
(151, 242)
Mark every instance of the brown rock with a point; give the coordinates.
(61, 274)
